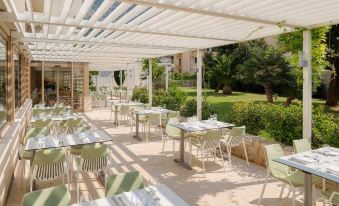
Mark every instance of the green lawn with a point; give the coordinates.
(224, 103)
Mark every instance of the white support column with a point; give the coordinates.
(150, 83)
(166, 77)
(307, 85)
(199, 84)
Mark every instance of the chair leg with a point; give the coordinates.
(293, 195)
(190, 143)
(263, 190)
(78, 187)
(203, 161)
(222, 158)
(243, 143)
(229, 152)
(163, 144)
(282, 191)
(173, 151)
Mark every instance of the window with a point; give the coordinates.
(3, 80)
(17, 76)
(180, 61)
(195, 60)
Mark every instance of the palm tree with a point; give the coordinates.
(267, 67)
(222, 72)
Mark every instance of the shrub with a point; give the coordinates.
(284, 124)
(172, 99)
(189, 108)
(140, 94)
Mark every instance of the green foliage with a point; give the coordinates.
(293, 43)
(92, 74)
(184, 76)
(284, 124)
(266, 65)
(116, 75)
(140, 94)
(172, 99)
(189, 108)
(158, 71)
(222, 72)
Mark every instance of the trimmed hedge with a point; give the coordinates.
(284, 124)
(140, 94)
(189, 108)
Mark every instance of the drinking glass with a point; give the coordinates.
(86, 197)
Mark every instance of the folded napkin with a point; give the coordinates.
(303, 159)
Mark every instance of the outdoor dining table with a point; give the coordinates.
(156, 195)
(146, 112)
(57, 118)
(66, 140)
(117, 104)
(196, 126)
(322, 162)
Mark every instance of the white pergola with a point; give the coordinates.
(117, 33)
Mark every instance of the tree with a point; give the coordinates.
(222, 72)
(116, 75)
(266, 67)
(293, 43)
(158, 71)
(333, 88)
(92, 74)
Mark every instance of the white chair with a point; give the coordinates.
(207, 143)
(48, 165)
(154, 121)
(92, 159)
(235, 138)
(171, 133)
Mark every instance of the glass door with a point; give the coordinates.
(78, 82)
(65, 79)
(50, 84)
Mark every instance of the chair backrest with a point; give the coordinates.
(211, 139)
(170, 130)
(123, 182)
(173, 114)
(58, 195)
(125, 110)
(49, 164)
(34, 132)
(59, 111)
(237, 135)
(93, 158)
(41, 123)
(154, 119)
(192, 119)
(272, 152)
(37, 112)
(72, 124)
(301, 145)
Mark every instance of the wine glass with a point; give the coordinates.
(86, 197)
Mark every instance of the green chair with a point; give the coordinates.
(124, 112)
(59, 111)
(92, 159)
(51, 196)
(171, 133)
(332, 196)
(153, 121)
(301, 145)
(47, 165)
(235, 138)
(282, 172)
(123, 182)
(207, 143)
(71, 126)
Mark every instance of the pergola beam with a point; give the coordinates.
(206, 12)
(108, 44)
(9, 17)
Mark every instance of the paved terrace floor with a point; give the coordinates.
(239, 185)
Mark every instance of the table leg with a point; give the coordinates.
(115, 122)
(308, 189)
(136, 136)
(181, 159)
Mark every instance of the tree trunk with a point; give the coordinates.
(288, 101)
(226, 90)
(269, 92)
(333, 88)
